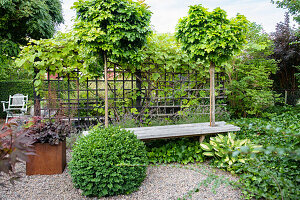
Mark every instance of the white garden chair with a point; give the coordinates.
(16, 106)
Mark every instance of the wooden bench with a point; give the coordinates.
(182, 130)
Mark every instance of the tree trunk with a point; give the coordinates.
(139, 90)
(212, 93)
(106, 90)
(37, 104)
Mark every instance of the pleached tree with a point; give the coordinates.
(211, 38)
(115, 30)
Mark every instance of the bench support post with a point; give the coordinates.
(201, 138)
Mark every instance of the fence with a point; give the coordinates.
(140, 94)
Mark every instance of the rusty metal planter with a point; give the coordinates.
(49, 159)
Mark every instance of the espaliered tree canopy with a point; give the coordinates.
(118, 28)
(61, 54)
(210, 36)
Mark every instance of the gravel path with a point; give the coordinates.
(162, 182)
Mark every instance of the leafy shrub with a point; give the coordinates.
(48, 131)
(249, 88)
(184, 150)
(225, 149)
(108, 162)
(15, 145)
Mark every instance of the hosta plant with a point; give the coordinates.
(227, 150)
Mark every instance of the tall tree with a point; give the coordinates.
(26, 19)
(22, 20)
(211, 38)
(287, 53)
(115, 29)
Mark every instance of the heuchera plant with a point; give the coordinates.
(48, 131)
(15, 146)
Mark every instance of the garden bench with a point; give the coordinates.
(16, 106)
(182, 130)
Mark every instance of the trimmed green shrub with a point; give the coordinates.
(13, 87)
(108, 162)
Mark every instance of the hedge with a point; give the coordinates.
(13, 87)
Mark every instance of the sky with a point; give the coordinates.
(166, 13)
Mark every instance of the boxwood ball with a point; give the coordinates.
(108, 162)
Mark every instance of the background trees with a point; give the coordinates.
(22, 20)
(249, 84)
(26, 19)
(287, 53)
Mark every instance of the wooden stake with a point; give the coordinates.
(212, 93)
(106, 91)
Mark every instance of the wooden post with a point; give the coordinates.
(212, 93)
(106, 91)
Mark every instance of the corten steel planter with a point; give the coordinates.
(49, 159)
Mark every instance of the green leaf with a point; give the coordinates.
(205, 146)
(155, 76)
(208, 153)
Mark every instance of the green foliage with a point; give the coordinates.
(227, 150)
(184, 150)
(21, 20)
(163, 52)
(249, 87)
(273, 174)
(8, 70)
(62, 55)
(210, 36)
(13, 87)
(293, 7)
(108, 162)
(118, 28)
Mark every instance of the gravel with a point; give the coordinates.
(162, 182)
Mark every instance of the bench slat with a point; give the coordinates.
(182, 130)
